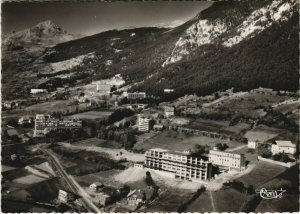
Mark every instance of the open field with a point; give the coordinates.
(179, 141)
(224, 200)
(229, 200)
(202, 204)
(168, 201)
(114, 154)
(29, 179)
(92, 115)
(261, 173)
(55, 106)
(98, 143)
(221, 127)
(84, 162)
(5, 168)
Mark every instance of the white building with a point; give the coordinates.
(103, 88)
(256, 137)
(25, 120)
(65, 196)
(144, 123)
(282, 146)
(169, 111)
(38, 91)
(228, 160)
(96, 186)
(135, 198)
(181, 164)
(136, 95)
(44, 123)
(167, 90)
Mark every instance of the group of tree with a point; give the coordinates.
(125, 137)
(149, 181)
(200, 150)
(282, 157)
(222, 146)
(264, 151)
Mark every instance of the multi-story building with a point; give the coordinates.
(182, 164)
(282, 146)
(227, 160)
(44, 123)
(144, 123)
(136, 95)
(169, 111)
(65, 196)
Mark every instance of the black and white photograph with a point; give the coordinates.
(150, 106)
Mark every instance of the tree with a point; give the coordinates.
(264, 152)
(149, 181)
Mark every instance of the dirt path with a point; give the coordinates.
(236, 148)
(212, 201)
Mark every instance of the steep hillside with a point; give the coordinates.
(230, 44)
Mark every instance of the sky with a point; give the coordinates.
(88, 18)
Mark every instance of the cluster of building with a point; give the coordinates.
(184, 166)
(278, 146)
(44, 123)
(144, 121)
(106, 195)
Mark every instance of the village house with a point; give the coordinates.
(38, 91)
(103, 199)
(135, 198)
(65, 196)
(168, 90)
(281, 146)
(9, 105)
(25, 120)
(255, 138)
(158, 127)
(136, 95)
(103, 88)
(96, 186)
(169, 111)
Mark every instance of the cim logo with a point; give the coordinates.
(270, 194)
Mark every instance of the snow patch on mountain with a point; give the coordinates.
(211, 31)
(201, 33)
(261, 19)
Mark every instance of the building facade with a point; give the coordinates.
(181, 164)
(38, 91)
(253, 144)
(104, 198)
(103, 88)
(136, 95)
(96, 186)
(228, 160)
(65, 196)
(169, 111)
(282, 146)
(44, 124)
(143, 123)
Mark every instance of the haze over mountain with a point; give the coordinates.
(242, 45)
